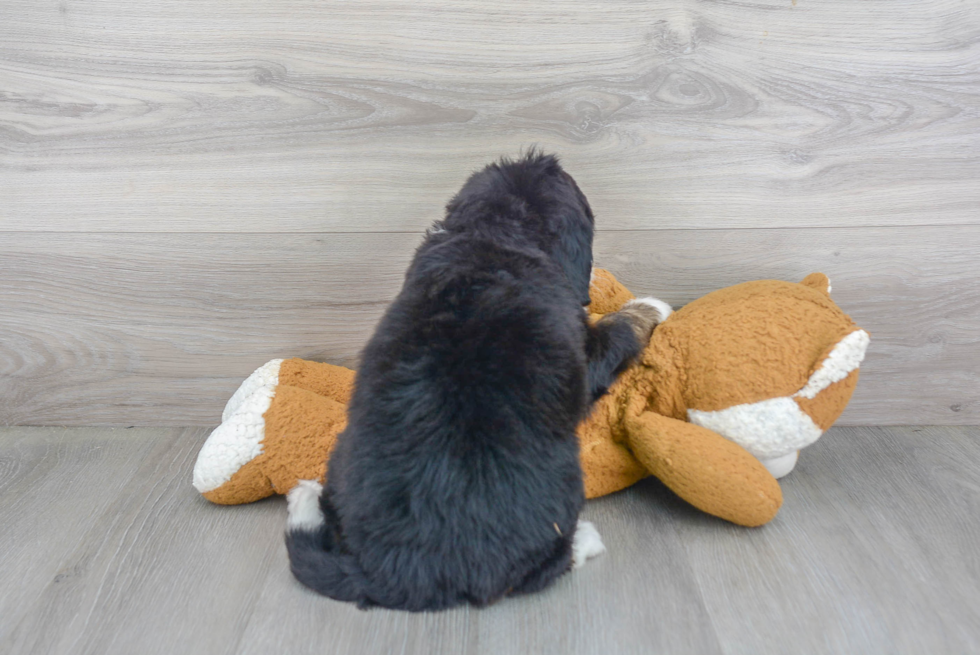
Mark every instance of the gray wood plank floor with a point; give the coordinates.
(106, 548)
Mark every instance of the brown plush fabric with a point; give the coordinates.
(743, 344)
(624, 441)
(826, 407)
(300, 429)
(608, 464)
(335, 382)
(606, 293)
(817, 281)
(715, 475)
(751, 342)
(247, 485)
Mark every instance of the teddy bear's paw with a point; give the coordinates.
(586, 544)
(266, 375)
(303, 505)
(234, 443)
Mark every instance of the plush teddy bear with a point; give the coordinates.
(725, 394)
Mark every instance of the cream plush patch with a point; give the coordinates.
(767, 429)
(776, 428)
(266, 375)
(238, 440)
(846, 356)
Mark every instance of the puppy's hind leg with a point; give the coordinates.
(303, 505)
(586, 544)
(558, 563)
(313, 558)
(570, 553)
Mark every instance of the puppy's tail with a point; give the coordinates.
(313, 555)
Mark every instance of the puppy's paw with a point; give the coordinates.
(644, 314)
(663, 309)
(303, 504)
(586, 544)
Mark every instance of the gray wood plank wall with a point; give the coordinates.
(190, 189)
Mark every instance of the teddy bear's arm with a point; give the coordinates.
(705, 469)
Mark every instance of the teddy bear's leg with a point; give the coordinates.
(334, 382)
(265, 376)
(233, 445)
(301, 428)
(277, 437)
(607, 464)
(705, 469)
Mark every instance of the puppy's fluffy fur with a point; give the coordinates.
(457, 479)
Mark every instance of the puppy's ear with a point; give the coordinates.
(575, 258)
(575, 239)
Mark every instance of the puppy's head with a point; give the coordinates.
(534, 200)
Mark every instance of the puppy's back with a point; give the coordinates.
(459, 472)
(458, 478)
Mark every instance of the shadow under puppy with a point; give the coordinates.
(457, 478)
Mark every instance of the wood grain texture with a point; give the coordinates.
(293, 116)
(883, 562)
(873, 552)
(604, 605)
(48, 505)
(151, 329)
(154, 553)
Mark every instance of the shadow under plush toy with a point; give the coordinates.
(724, 396)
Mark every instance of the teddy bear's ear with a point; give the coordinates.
(817, 281)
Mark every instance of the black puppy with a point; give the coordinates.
(457, 478)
